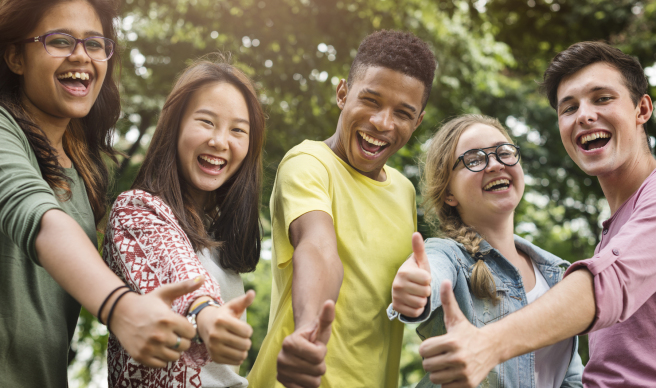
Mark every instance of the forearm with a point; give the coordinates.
(66, 253)
(318, 275)
(565, 311)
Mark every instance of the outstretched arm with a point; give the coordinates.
(465, 355)
(317, 278)
(144, 324)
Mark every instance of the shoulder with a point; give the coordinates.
(141, 206)
(538, 254)
(308, 153)
(444, 246)
(399, 179)
(9, 128)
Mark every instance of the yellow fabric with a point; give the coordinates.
(373, 222)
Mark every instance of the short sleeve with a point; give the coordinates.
(302, 185)
(24, 194)
(624, 269)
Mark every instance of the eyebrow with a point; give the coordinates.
(70, 32)
(594, 89)
(211, 113)
(375, 93)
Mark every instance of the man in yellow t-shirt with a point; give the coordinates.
(342, 222)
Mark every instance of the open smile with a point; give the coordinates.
(75, 82)
(211, 165)
(500, 184)
(593, 140)
(371, 146)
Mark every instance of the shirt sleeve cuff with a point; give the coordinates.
(392, 314)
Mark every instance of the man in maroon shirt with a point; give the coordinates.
(600, 95)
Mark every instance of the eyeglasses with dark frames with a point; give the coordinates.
(477, 159)
(60, 45)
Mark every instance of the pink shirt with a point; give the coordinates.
(623, 333)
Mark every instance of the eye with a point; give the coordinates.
(371, 100)
(405, 115)
(59, 42)
(207, 122)
(94, 44)
(604, 99)
(569, 109)
(236, 129)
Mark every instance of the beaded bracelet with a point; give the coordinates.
(102, 306)
(111, 310)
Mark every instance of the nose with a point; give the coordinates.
(586, 114)
(79, 54)
(383, 120)
(219, 139)
(493, 163)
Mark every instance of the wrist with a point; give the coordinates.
(194, 315)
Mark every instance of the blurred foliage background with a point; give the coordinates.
(491, 55)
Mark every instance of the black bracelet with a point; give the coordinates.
(111, 311)
(102, 306)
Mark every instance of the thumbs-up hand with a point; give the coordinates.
(225, 335)
(301, 359)
(412, 283)
(464, 355)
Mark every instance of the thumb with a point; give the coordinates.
(170, 292)
(238, 305)
(452, 313)
(324, 327)
(420, 252)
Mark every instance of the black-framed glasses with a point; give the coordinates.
(62, 45)
(477, 159)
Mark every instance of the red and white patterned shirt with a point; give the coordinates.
(146, 247)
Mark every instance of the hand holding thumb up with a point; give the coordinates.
(452, 313)
(324, 324)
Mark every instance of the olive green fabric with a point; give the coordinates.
(37, 317)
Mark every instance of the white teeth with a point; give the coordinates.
(372, 140)
(593, 136)
(76, 75)
(214, 161)
(501, 181)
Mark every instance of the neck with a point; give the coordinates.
(499, 233)
(53, 127)
(619, 185)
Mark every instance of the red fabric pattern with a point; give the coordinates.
(145, 246)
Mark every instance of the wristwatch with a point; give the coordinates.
(192, 318)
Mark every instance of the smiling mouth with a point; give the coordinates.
(595, 140)
(497, 185)
(75, 80)
(212, 163)
(370, 145)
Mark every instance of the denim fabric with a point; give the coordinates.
(449, 260)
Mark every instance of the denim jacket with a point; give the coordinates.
(450, 260)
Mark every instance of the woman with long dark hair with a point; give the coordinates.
(472, 184)
(59, 103)
(194, 210)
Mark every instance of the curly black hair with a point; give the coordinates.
(399, 51)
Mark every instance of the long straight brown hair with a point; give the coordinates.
(86, 139)
(235, 228)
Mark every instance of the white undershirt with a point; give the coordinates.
(551, 362)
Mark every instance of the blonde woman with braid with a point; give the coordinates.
(472, 183)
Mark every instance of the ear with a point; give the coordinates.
(451, 200)
(644, 110)
(420, 119)
(341, 92)
(13, 59)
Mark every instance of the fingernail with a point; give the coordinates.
(197, 279)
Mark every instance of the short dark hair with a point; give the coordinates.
(583, 54)
(398, 51)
